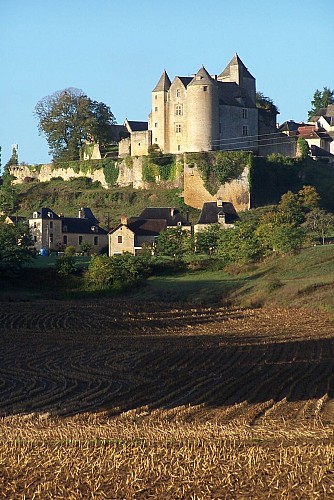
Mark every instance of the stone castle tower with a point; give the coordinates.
(199, 113)
(203, 112)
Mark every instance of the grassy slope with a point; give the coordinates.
(305, 280)
(68, 197)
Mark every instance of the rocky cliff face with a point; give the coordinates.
(195, 193)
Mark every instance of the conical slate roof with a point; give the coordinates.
(235, 61)
(163, 84)
(202, 77)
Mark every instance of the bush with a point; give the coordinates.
(116, 272)
(70, 251)
(65, 266)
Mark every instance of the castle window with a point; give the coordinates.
(138, 143)
(156, 108)
(156, 140)
(179, 147)
(244, 130)
(178, 127)
(244, 113)
(155, 124)
(178, 93)
(178, 109)
(205, 88)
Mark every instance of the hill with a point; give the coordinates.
(107, 204)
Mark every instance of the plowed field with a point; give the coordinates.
(110, 399)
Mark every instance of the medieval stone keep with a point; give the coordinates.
(199, 113)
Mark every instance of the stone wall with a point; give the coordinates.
(131, 174)
(236, 191)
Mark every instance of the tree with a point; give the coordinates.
(174, 242)
(302, 148)
(68, 118)
(240, 243)
(321, 99)
(16, 247)
(119, 271)
(8, 194)
(266, 103)
(319, 222)
(207, 240)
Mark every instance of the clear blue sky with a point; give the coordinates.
(116, 50)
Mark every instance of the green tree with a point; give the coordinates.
(266, 103)
(68, 118)
(118, 272)
(207, 240)
(321, 99)
(65, 265)
(308, 198)
(240, 243)
(8, 194)
(302, 148)
(86, 247)
(281, 238)
(174, 242)
(319, 222)
(16, 247)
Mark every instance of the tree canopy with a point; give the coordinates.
(15, 247)
(321, 99)
(68, 118)
(264, 102)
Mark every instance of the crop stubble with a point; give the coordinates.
(112, 399)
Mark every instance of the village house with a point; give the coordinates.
(53, 232)
(216, 212)
(132, 235)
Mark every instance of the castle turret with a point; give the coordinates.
(158, 116)
(237, 72)
(202, 112)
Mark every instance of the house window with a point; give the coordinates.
(244, 113)
(65, 229)
(96, 240)
(51, 225)
(35, 239)
(178, 93)
(156, 108)
(205, 88)
(80, 240)
(178, 109)
(155, 97)
(65, 239)
(178, 127)
(35, 225)
(120, 239)
(244, 130)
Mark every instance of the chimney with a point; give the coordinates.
(124, 219)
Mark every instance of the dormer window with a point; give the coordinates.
(50, 215)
